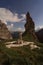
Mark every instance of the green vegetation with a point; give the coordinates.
(28, 37)
(21, 56)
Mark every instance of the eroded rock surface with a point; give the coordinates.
(4, 32)
(29, 27)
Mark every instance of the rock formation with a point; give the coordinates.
(20, 41)
(29, 27)
(4, 33)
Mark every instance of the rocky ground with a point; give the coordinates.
(12, 44)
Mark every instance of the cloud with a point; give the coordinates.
(7, 15)
(10, 27)
(41, 26)
(20, 29)
(23, 15)
(38, 27)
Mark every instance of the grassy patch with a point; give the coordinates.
(22, 55)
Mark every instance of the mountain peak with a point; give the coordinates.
(4, 32)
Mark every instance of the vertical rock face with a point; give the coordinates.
(4, 33)
(29, 28)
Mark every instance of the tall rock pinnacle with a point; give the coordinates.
(29, 28)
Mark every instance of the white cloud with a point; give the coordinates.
(10, 27)
(23, 15)
(20, 29)
(41, 26)
(38, 27)
(7, 15)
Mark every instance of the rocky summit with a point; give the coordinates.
(4, 32)
(29, 28)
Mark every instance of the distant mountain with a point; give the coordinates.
(15, 34)
(39, 34)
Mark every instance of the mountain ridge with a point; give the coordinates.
(4, 32)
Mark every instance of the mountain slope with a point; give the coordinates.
(22, 55)
(40, 35)
(4, 32)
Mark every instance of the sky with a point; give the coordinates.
(13, 13)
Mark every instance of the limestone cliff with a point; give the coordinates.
(29, 28)
(4, 33)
